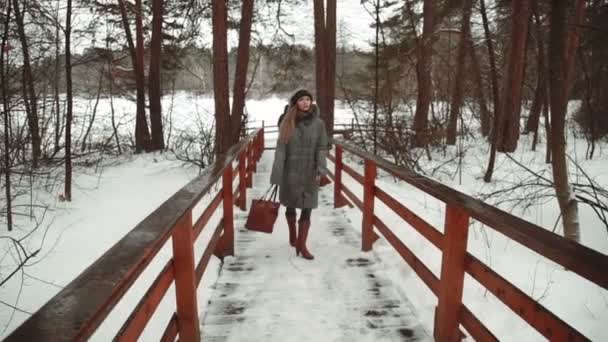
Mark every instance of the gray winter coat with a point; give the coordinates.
(298, 163)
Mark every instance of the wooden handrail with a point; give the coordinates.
(585, 261)
(77, 310)
(582, 260)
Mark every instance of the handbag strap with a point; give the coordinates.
(271, 193)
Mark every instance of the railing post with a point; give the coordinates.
(185, 279)
(367, 234)
(339, 199)
(228, 219)
(262, 133)
(242, 200)
(249, 165)
(254, 156)
(447, 318)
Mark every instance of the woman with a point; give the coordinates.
(299, 164)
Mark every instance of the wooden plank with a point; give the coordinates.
(204, 261)
(228, 217)
(431, 281)
(541, 319)
(250, 165)
(242, 179)
(352, 197)
(206, 215)
(337, 179)
(351, 172)
(447, 319)
(139, 318)
(582, 260)
(426, 229)
(185, 280)
(367, 224)
(473, 325)
(171, 330)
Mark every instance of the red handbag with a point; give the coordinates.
(263, 212)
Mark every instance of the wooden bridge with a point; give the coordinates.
(262, 283)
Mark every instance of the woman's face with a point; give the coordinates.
(304, 103)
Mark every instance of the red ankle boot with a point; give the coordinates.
(291, 222)
(302, 236)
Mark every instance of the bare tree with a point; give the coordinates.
(31, 98)
(460, 68)
(541, 83)
(484, 113)
(559, 67)
(67, 193)
(220, 76)
(240, 74)
(507, 133)
(6, 116)
(154, 81)
(142, 135)
(325, 59)
(423, 73)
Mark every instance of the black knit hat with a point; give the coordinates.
(299, 94)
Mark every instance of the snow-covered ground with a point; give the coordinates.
(111, 197)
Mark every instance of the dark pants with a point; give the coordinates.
(304, 213)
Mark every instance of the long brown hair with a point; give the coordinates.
(288, 125)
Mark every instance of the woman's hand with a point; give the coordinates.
(318, 179)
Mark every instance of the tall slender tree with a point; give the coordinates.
(242, 64)
(325, 59)
(142, 134)
(67, 192)
(460, 69)
(507, 133)
(31, 100)
(423, 74)
(563, 41)
(154, 79)
(6, 117)
(220, 76)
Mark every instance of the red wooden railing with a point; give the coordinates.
(451, 312)
(76, 311)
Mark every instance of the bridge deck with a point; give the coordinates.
(266, 293)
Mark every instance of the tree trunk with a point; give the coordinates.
(113, 112)
(6, 116)
(330, 31)
(58, 118)
(142, 134)
(67, 193)
(495, 96)
(559, 68)
(376, 78)
(541, 86)
(32, 117)
(484, 113)
(321, 70)
(460, 66)
(220, 77)
(240, 76)
(423, 73)
(83, 146)
(510, 109)
(547, 127)
(154, 79)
